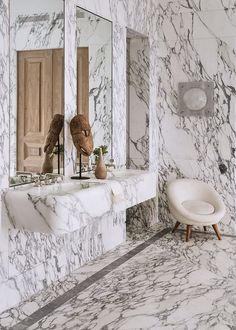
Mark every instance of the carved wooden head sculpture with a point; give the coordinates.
(82, 135)
(55, 128)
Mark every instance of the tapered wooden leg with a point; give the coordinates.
(216, 229)
(188, 232)
(205, 228)
(176, 226)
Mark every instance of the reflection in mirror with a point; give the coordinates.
(36, 86)
(94, 76)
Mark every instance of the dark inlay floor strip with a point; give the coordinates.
(77, 289)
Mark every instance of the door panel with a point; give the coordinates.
(83, 86)
(41, 96)
(58, 81)
(34, 107)
(58, 96)
(83, 81)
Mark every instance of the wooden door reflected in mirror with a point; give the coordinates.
(40, 97)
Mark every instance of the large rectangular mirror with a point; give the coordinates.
(94, 76)
(36, 84)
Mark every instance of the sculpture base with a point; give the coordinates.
(77, 177)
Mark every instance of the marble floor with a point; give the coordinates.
(157, 281)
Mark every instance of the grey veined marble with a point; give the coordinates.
(169, 285)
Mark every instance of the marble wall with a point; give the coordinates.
(196, 41)
(137, 101)
(31, 261)
(189, 40)
(4, 129)
(4, 96)
(142, 216)
(36, 260)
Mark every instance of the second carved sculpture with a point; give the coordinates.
(81, 135)
(83, 140)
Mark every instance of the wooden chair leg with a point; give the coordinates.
(176, 226)
(216, 229)
(205, 228)
(188, 232)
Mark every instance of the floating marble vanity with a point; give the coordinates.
(66, 207)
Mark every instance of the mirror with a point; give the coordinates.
(36, 84)
(94, 76)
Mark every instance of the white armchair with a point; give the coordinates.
(194, 202)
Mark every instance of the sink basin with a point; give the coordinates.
(55, 208)
(59, 189)
(122, 174)
(70, 205)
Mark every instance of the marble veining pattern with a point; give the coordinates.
(158, 291)
(196, 42)
(20, 312)
(139, 76)
(44, 31)
(171, 284)
(185, 43)
(96, 34)
(138, 102)
(70, 84)
(36, 260)
(4, 88)
(68, 206)
(50, 258)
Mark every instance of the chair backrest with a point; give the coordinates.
(188, 189)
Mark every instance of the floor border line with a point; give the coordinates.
(80, 287)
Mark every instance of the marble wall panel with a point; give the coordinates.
(100, 235)
(26, 250)
(70, 84)
(37, 260)
(183, 47)
(138, 102)
(193, 46)
(4, 97)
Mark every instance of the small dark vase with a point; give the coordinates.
(101, 170)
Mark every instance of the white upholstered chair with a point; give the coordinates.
(195, 203)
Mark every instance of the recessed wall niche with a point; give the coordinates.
(196, 98)
(138, 52)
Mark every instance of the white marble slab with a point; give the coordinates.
(169, 285)
(66, 207)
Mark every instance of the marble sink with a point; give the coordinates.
(67, 206)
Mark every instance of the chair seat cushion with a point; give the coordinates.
(198, 207)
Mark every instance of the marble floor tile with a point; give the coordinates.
(170, 284)
(17, 314)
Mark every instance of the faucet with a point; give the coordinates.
(46, 178)
(24, 175)
(53, 177)
(111, 164)
(38, 178)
